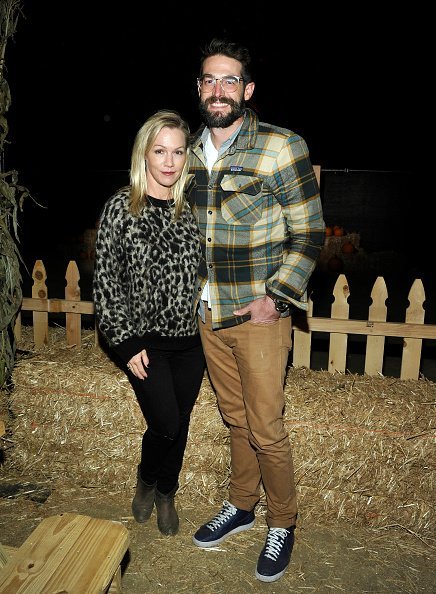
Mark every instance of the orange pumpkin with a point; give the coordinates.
(335, 264)
(348, 248)
(338, 231)
(328, 231)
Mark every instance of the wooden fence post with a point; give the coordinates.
(338, 341)
(40, 318)
(302, 341)
(73, 321)
(415, 313)
(375, 345)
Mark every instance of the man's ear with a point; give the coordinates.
(249, 90)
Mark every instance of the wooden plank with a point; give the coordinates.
(411, 360)
(370, 328)
(67, 553)
(57, 305)
(6, 553)
(115, 587)
(375, 345)
(338, 341)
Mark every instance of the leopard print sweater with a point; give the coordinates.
(145, 271)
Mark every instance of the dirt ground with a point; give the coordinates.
(329, 558)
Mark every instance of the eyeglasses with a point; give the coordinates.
(229, 84)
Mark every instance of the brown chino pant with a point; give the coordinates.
(247, 366)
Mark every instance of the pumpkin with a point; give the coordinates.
(338, 231)
(348, 248)
(328, 231)
(335, 264)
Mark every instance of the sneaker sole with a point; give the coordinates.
(211, 543)
(269, 578)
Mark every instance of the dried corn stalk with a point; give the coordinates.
(12, 196)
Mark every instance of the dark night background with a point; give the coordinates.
(85, 75)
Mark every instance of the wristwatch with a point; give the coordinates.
(281, 306)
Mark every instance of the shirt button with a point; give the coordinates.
(209, 212)
(210, 266)
(209, 239)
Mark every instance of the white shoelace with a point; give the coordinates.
(225, 514)
(274, 542)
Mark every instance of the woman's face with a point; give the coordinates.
(165, 162)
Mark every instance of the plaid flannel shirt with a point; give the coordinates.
(260, 219)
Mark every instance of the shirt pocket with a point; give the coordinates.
(242, 199)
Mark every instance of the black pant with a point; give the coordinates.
(167, 397)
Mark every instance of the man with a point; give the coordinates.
(257, 203)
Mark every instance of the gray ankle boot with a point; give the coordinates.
(167, 518)
(143, 502)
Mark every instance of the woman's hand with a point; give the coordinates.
(138, 364)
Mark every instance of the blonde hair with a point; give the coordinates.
(144, 140)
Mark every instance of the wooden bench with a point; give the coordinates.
(68, 554)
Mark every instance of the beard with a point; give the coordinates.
(219, 120)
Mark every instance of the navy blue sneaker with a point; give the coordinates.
(229, 520)
(276, 554)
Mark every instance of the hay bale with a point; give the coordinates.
(206, 469)
(74, 414)
(363, 446)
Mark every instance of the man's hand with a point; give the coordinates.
(262, 311)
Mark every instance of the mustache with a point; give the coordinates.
(213, 99)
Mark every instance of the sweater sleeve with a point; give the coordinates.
(110, 283)
(128, 348)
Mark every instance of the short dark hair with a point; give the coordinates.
(230, 49)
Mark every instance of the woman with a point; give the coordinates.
(147, 255)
